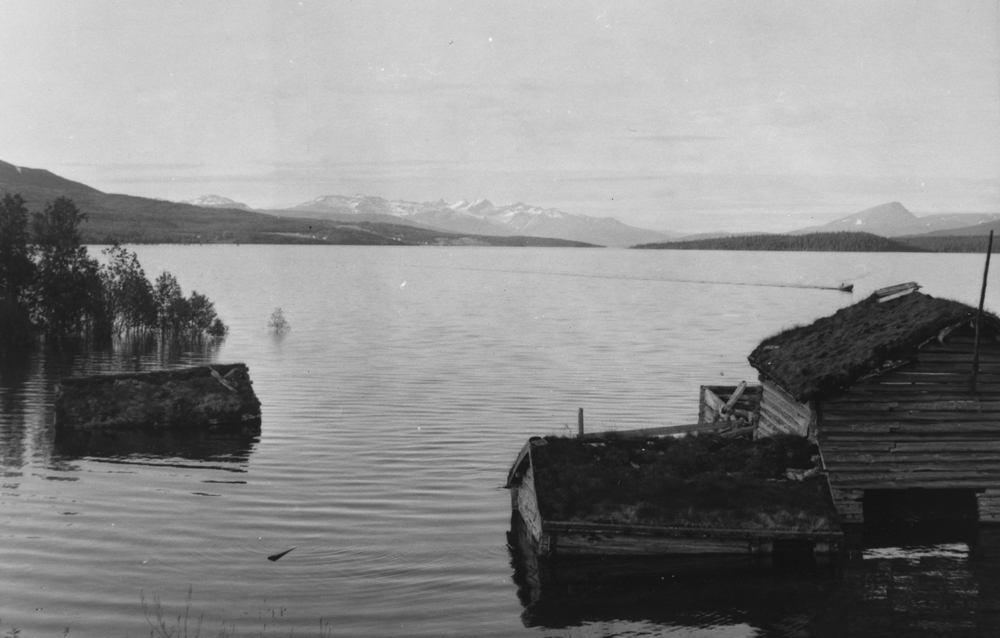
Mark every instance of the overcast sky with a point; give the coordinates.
(688, 116)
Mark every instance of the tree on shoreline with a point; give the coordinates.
(67, 293)
(17, 266)
(50, 285)
(195, 314)
(127, 292)
(17, 269)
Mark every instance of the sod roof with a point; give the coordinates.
(705, 481)
(833, 352)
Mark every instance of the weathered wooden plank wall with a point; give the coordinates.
(623, 544)
(989, 506)
(527, 504)
(608, 539)
(922, 425)
(781, 413)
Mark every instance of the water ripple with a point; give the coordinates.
(390, 415)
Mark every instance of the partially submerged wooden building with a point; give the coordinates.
(196, 397)
(886, 388)
(587, 496)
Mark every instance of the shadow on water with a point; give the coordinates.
(774, 595)
(947, 587)
(220, 444)
(17, 367)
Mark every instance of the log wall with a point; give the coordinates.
(621, 544)
(527, 504)
(781, 413)
(919, 426)
(573, 538)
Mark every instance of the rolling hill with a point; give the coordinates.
(130, 219)
(894, 220)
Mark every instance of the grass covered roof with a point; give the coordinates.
(707, 481)
(834, 352)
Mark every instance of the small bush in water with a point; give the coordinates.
(277, 323)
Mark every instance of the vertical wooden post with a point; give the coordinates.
(579, 422)
(979, 314)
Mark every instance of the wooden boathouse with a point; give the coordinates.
(886, 388)
(642, 493)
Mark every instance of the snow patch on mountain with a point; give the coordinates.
(482, 216)
(215, 201)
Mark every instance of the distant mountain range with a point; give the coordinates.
(129, 219)
(894, 220)
(480, 217)
(366, 219)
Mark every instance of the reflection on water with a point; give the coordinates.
(391, 414)
(220, 444)
(734, 595)
(948, 589)
(932, 590)
(28, 379)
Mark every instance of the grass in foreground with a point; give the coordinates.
(164, 622)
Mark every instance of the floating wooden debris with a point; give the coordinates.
(275, 557)
(184, 398)
(894, 292)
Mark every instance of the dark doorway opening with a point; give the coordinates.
(920, 516)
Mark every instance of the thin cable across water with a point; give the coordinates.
(841, 288)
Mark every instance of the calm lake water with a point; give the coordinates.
(409, 380)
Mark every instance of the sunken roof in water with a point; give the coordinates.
(833, 352)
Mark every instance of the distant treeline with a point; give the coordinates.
(49, 285)
(821, 242)
(297, 231)
(951, 243)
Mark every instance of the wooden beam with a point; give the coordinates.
(979, 314)
(727, 408)
(652, 530)
(892, 292)
(713, 401)
(517, 464)
(660, 431)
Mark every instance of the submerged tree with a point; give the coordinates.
(17, 268)
(49, 283)
(127, 292)
(67, 292)
(203, 317)
(180, 316)
(16, 264)
(169, 302)
(277, 323)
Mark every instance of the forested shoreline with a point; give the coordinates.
(842, 241)
(832, 242)
(51, 288)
